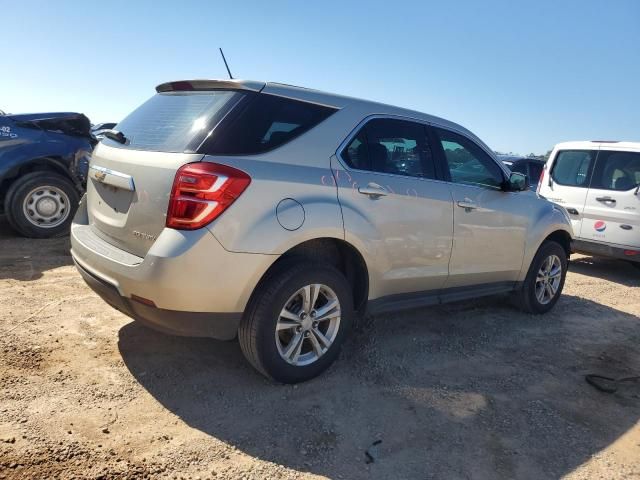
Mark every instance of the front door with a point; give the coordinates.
(569, 182)
(612, 209)
(490, 225)
(393, 208)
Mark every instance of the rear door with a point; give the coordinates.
(490, 225)
(569, 182)
(612, 208)
(394, 207)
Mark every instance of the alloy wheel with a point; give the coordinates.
(308, 324)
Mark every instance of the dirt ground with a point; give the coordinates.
(469, 390)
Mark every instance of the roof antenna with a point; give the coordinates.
(225, 64)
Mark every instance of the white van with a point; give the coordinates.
(598, 183)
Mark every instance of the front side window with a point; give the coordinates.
(468, 163)
(391, 146)
(572, 167)
(616, 171)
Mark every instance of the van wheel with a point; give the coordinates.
(297, 321)
(41, 204)
(545, 279)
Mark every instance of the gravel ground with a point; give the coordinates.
(468, 390)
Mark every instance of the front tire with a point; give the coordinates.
(297, 321)
(545, 279)
(41, 204)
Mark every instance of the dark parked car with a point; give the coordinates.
(98, 129)
(44, 159)
(530, 166)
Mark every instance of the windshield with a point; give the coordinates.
(174, 121)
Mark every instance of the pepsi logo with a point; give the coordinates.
(600, 226)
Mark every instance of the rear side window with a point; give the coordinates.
(391, 146)
(265, 122)
(174, 121)
(616, 171)
(573, 167)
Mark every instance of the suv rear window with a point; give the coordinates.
(264, 122)
(573, 167)
(174, 121)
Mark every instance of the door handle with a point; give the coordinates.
(606, 199)
(467, 204)
(373, 190)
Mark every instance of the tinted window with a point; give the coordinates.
(520, 167)
(572, 167)
(535, 171)
(265, 122)
(616, 171)
(468, 163)
(391, 146)
(174, 121)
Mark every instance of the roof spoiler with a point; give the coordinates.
(196, 85)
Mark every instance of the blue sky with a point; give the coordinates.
(521, 75)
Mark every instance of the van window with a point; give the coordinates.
(263, 123)
(573, 167)
(616, 171)
(394, 146)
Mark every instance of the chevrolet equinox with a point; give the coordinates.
(277, 214)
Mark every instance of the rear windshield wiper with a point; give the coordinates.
(115, 135)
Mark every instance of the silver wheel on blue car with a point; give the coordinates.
(308, 324)
(41, 204)
(46, 206)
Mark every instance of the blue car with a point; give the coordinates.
(44, 160)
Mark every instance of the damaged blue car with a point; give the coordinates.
(44, 160)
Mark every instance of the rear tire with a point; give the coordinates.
(41, 204)
(544, 283)
(297, 347)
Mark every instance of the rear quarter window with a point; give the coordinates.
(264, 122)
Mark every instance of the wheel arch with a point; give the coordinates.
(338, 253)
(50, 164)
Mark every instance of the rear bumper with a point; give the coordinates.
(198, 288)
(606, 250)
(222, 326)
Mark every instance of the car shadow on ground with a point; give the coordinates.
(611, 269)
(467, 390)
(27, 258)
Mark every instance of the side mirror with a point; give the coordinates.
(517, 182)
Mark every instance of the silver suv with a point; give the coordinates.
(277, 214)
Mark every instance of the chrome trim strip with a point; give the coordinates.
(111, 177)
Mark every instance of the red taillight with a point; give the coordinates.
(631, 253)
(201, 192)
